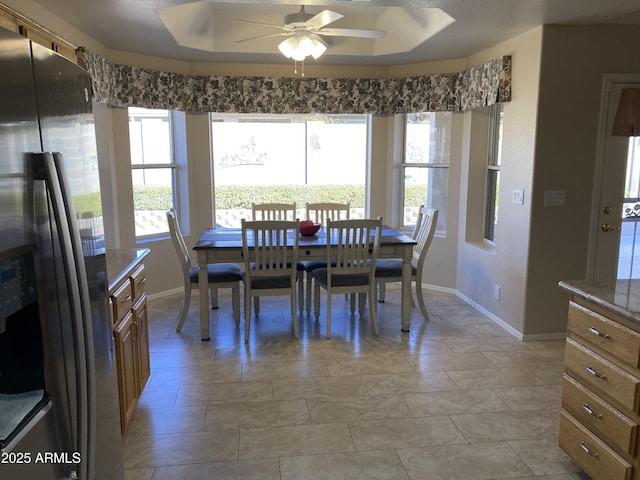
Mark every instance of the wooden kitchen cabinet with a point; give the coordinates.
(130, 330)
(600, 414)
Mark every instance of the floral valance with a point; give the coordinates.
(124, 86)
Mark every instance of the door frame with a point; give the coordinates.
(608, 81)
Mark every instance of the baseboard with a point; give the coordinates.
(492, 317)
(166, 293)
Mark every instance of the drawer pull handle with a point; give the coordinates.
(597, 333)
(587, 451)
(591, 371)
(142, 281)
(126, 299)
(588, 410)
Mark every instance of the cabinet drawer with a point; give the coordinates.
(616, 339)
(122, 301)
(597, 414)
(597, 373)
(139, 280)
(590, 453)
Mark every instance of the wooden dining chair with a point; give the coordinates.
(320, 213)
(270, 252)
(390, 269)
(220, 275)
(351, 264)
(279, 211)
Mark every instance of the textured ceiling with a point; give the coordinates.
(417, 30)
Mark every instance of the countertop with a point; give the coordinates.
(121, 262)
(620, 296)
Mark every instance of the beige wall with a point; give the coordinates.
(574, 61)
(481, 266)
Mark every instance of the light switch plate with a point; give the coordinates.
(554, 198)
(517, 197)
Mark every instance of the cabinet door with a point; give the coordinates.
(126, 343)
(142, 336)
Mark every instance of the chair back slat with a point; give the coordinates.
(428, 219)
(273, 211)
(321, 212)
(178, 240)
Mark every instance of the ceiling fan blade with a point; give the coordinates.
(323, 18)
(351, 32)
(282, 34)
(281, 27)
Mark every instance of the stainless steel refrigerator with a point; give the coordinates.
(59, 414)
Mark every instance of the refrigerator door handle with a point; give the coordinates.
(65, 217)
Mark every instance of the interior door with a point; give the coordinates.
(614, 225)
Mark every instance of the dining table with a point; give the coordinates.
(224, 245)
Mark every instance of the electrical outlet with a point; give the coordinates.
(496, 292)
(517, 196)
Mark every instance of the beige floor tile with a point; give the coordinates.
(294, 440)
(195, 374)
(357, 408)
(543, 457)
(454, 402)
(224, 393)
(150, 421)
(378, 465)
(368, 365)
(256, 414)
(407, 345)
(323, 348)
(138, 474)
(182, 358)
(483, 344)
(531, 398)
(264, 469)
(499, 426)
(179, 448)
(408, 382)
(319, 387)
(464, 462)
(449, 361)
(255, 353)
(523, 358)
(169, 345)
(284, 369)
(158, 397)
(495, 377)
(404, 433)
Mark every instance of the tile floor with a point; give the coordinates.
(456, 398)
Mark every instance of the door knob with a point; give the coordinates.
(606, 227)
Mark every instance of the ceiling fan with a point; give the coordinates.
(305, 32)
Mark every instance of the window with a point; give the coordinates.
(493, 171)
(152, 169)
(289, 159)
(425, 168)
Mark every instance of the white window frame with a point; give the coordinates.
(441, 228)
(172, 166)
(494, 162)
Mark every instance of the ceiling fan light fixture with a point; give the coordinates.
(302, 45)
